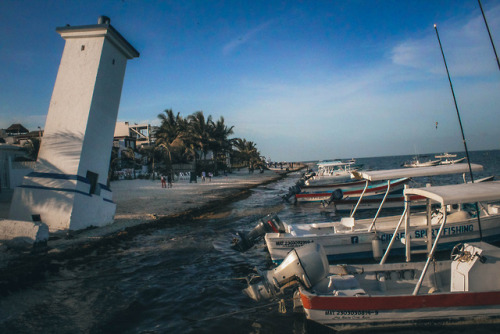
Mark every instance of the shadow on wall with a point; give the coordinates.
(50, 190)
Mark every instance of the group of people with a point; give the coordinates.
(204, 176)
(166, 183)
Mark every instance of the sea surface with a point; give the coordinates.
(185, 278)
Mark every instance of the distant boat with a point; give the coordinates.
(417, 163)
(333, 171)
(448, 159)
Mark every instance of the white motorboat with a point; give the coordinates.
(417, 163)
(447, 159)
(331, 172)
(434, 292)
(351, 191)
(352, 239)
(463, 290)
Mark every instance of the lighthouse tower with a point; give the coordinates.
(67, 190)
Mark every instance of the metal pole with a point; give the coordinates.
(380, 207)
(359, 200)
(489, 33)
(461, 127)
(431, 254)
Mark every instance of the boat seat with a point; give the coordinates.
(324, 225)
(300, 230)
(493, 209)
(341, 285)
(346, 223)
(457, 216)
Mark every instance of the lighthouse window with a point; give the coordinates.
(93, 177)
(83, 47)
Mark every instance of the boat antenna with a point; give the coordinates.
(456, 105)
(461, 127)
(489, 33)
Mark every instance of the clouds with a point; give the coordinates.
(236, 43)
(465, 43)
(385, 108)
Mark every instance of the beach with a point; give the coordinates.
(143, 204)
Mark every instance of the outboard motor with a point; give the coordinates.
(269, 224)
(307, 176)
(305, 265)
(336, 195)
(293, 190)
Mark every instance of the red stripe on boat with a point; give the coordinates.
(438, 300)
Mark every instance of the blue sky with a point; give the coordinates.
(304, 80)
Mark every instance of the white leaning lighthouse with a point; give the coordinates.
(67, 190)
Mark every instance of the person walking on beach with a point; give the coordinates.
(169, 180)
(203, 175)
(163, 183)
(210, 176)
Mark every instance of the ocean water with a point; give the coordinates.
(185, 278)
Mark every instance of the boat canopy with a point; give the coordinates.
(459, 193)
(333, 164)
(389, 174)
(446, 155)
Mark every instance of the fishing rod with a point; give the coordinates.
(461, 127)
(489, 33)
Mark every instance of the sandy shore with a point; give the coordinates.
(144, 201)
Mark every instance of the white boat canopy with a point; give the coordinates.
(445, 155)
(333, 164)
(459, 193)
(390, 174)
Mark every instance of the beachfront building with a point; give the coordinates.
(123, 137)
(16, 160)
(14, 165)
(16, 130)
(67, 190)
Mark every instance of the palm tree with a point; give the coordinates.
(189, 139)
(200, 131)
(246, 152)
(171, 126)
(221, 144)
(169, 137)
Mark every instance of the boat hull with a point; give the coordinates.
(373, 202)
(350, 313)
(352, 190)
(357, 245)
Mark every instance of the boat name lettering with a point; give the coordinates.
(387, 237)
(293, 243)
(447, 231)
(423, 233)
(356, 312)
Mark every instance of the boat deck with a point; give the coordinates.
(345, 225)
(387, 279)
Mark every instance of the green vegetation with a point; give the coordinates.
(189, 140)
